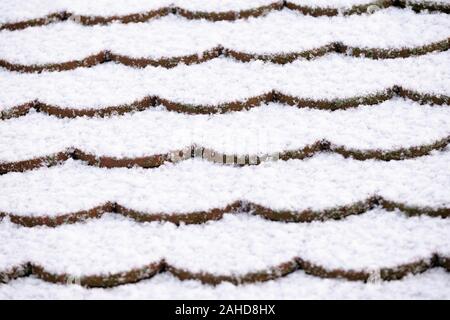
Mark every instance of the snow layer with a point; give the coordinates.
(331, 3)
(224, 80)
(19, 10)
(221, 6)
(324, 181)
(278, 32)
(349, 3)
(433, 284)
(272, 128)
(235, 245)
(429, 1)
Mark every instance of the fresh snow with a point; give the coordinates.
(239, 243)
(324, 181)
(278, 32)
(349, 3)
(19, 10)
(331, 3)
(223, 80)
(433, 284)
(269, 129)
(235, 245)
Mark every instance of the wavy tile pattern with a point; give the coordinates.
(273, 38)
(290, 188)
(142, 16)
(146, 251)
(213, 156)
(237, 207)
(282, 58)
(343, 190)
(151, 137)
(433, 284)
(136, 275)
(222, 85)
(247, 104)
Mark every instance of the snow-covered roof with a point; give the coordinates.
(224, 149)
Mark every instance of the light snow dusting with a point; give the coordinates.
(401, 234)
